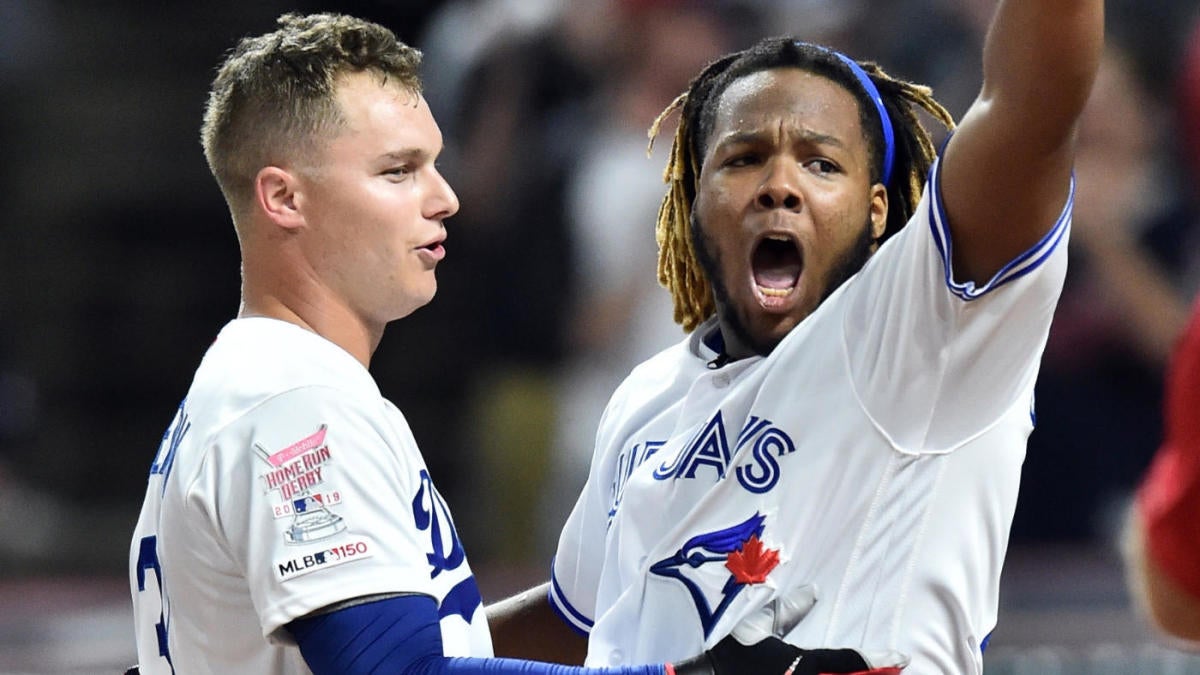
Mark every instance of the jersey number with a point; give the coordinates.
(148, 560)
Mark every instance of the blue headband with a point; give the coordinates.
(889, 137)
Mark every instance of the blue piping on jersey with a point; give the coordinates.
(1017, 268)
(558, 602)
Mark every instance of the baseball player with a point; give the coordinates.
(863, 439)
(290, 524)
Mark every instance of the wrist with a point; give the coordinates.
(701, 664)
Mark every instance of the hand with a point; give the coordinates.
(754, 647)
(773, 656)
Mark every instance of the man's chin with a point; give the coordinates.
(761, 332)
(766, 342)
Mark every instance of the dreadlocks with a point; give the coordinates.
(678, 267)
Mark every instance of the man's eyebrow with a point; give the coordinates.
(807, 135)
(404, 155)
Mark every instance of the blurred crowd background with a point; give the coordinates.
(120, 263)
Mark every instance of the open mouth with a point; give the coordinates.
(776, 264)
(433, 250)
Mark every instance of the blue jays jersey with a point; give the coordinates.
(286, 483)
(874, 456)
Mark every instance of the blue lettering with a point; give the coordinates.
(434, 518)
(668, 469)
(710, 448)
(627, 463)
(761, 473)
(766, 475)
(148, 560)
(764, 478)
(714, 452)
(758, 473)
(172, 437)
(462, 600)
(753, 425)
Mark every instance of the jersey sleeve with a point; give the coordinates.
(400, 635)
(935, 361)
(579, 560)
(316, 498)
(1169, 497)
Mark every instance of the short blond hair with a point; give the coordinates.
(274, 94)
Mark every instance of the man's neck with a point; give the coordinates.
(338, 325)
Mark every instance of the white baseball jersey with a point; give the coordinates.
(874, 455)
(286, 483)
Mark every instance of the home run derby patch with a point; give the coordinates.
(296, 474)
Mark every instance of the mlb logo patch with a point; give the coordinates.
(306, 504)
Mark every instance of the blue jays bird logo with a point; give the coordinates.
(744, 557)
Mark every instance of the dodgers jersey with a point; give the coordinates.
(873, 456)
(285, 483)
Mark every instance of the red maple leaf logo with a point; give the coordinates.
(753, 562)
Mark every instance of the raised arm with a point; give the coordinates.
(1006, 172)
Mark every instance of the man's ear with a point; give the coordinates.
(275, 194)
(879, 211)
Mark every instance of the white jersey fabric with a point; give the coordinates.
(286, 483)
(874, 456)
